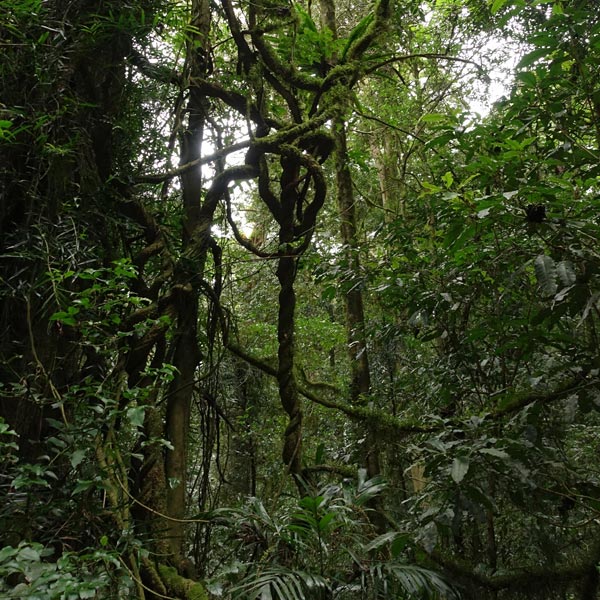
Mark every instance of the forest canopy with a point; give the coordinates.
(292, 307)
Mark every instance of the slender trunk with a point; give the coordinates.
(355, 317)
(195, 234)
(360, 384)
(286, 275)
(179, 401)
(492, 549)
(386, 162)
(288, 392)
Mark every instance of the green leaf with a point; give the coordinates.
(320, 454)
(5, 428)
(357, 33)
(6, 553)
(326, 520)
(545, 271)
(30, 554)
(305, 19)
(460, 467)
(310, 503)
(381, 540)
(82, 486)
(532, 56)
(441, 140)
(399, 543)
(528, 78)
(368, 489)
(430, 188)
(566, 272)
(497, 5)
(448, 179)
(66, 318)
(77, 458)
(136, 415)
(478, 496)
(434, 118)
(494, 452)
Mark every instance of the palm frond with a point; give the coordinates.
(410, 580)
(278, 583)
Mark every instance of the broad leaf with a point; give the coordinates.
(497, 5)
(460, 467)
(545, 271)
(566, 272)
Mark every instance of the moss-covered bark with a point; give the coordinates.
(181, 587)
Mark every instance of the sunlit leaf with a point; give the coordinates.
(497, 5)
(460, 467)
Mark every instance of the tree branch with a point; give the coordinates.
(203, 160)
(427, 55)
(524, 578)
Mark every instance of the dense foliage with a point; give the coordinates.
(283, 316)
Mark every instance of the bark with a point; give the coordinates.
(386, 155)
(195, 237)
(360, 383)
(355, 316)
(288, 391)
(242, 462)
(178, 414)
(286, 275)
(180, 586)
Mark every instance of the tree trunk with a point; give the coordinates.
(360, 383)
(195, 237)
(286, 275)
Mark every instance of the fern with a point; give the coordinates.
(357, 33)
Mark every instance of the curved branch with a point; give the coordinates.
(181, 169)
(245, 54)
(241, 239)
(236, 100)
(222, 181)
(385, 421)
(382, 13)
(519, 401)
(379, 419)
(427, 55)
(286, 94)
(284, 71)
(157, 72)
(524, 578)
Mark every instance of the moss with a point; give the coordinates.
(183, 588)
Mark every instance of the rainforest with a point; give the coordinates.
(299, 300)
